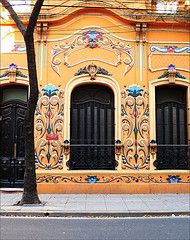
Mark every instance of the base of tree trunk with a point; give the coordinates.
(29, 199)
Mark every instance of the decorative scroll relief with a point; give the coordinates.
(92, 38)
(160, 57)
(49, 128)
(12, 74)
(12, 70)
(171, 74)
(92, 70)
(135, 128)
(18, 48)
(170, 49)
(102, 179)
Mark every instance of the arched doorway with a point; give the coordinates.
(171, 127)
(13, 101)
(92, 128)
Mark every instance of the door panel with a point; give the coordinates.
(19, 129)
(12, 149)
(7, 114)
(92, 128)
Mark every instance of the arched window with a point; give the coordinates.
(171, 127)
(92, 128)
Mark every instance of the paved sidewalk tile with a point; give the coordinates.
(133, 206)
(95, 207)
(84, 203)
(74, 207)
(116, 207)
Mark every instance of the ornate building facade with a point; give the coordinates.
(113, 114)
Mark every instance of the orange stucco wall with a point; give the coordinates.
(125, 53)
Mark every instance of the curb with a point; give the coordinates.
(11, 190)
(94, 214)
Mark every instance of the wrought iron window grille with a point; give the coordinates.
(173, 156)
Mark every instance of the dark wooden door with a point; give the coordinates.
(12, 150)
(92, 128)
(171, 128)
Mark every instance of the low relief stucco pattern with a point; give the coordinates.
(49, 128)
(135, 128)
(94, 39)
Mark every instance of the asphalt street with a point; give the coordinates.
(25, 228)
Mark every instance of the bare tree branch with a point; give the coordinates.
(14, 16)
(34, 16)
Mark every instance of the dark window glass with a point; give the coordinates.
(92, 128)
(171, 127)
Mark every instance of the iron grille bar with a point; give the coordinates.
(92, 157)
(92, 145)
(173, 156)
(173, 145)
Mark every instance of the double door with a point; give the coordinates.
(12, 149)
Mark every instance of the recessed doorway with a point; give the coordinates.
(92, 128)
(13, 103)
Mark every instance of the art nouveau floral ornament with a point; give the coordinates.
(64, 51)
(49, 128)
(135, 128)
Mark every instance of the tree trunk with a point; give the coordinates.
(30, 195)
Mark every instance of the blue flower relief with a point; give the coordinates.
(134, 91)
(54, 51)
(50, 90)
(93, 37)
(12, 65)
(171, 67)
(92, 179)
(173, 179)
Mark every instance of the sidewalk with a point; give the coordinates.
(82, 205)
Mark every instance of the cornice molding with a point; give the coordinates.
(144, 12)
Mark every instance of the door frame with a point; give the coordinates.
(17, 163)
(152, 109)
(101, 80)
(94, 152)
